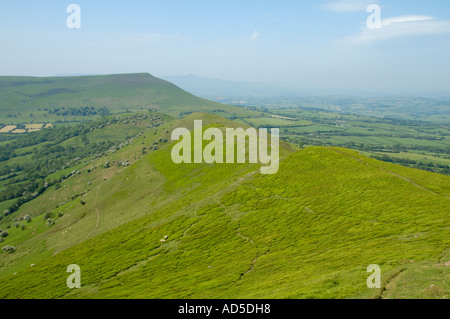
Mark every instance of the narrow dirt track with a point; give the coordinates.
(98, 215)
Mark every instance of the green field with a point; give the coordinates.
(374, 136)
(275, 122)
(427, 109)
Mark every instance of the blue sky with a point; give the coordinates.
(322, 44)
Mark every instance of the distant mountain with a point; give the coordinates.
(217, 89)
(220, 89)
(117, 92)
(347, 101)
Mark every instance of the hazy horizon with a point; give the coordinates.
(320, 45)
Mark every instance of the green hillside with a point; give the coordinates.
(49, 99)
(309, 231)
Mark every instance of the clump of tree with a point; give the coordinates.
(80, 111)
(9, 249)
(48, 215)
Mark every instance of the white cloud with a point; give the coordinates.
(400, 26)
(255, 35)
(403, 19)
(343, 6)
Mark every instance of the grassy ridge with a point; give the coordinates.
(22, 96)
(308, 231)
